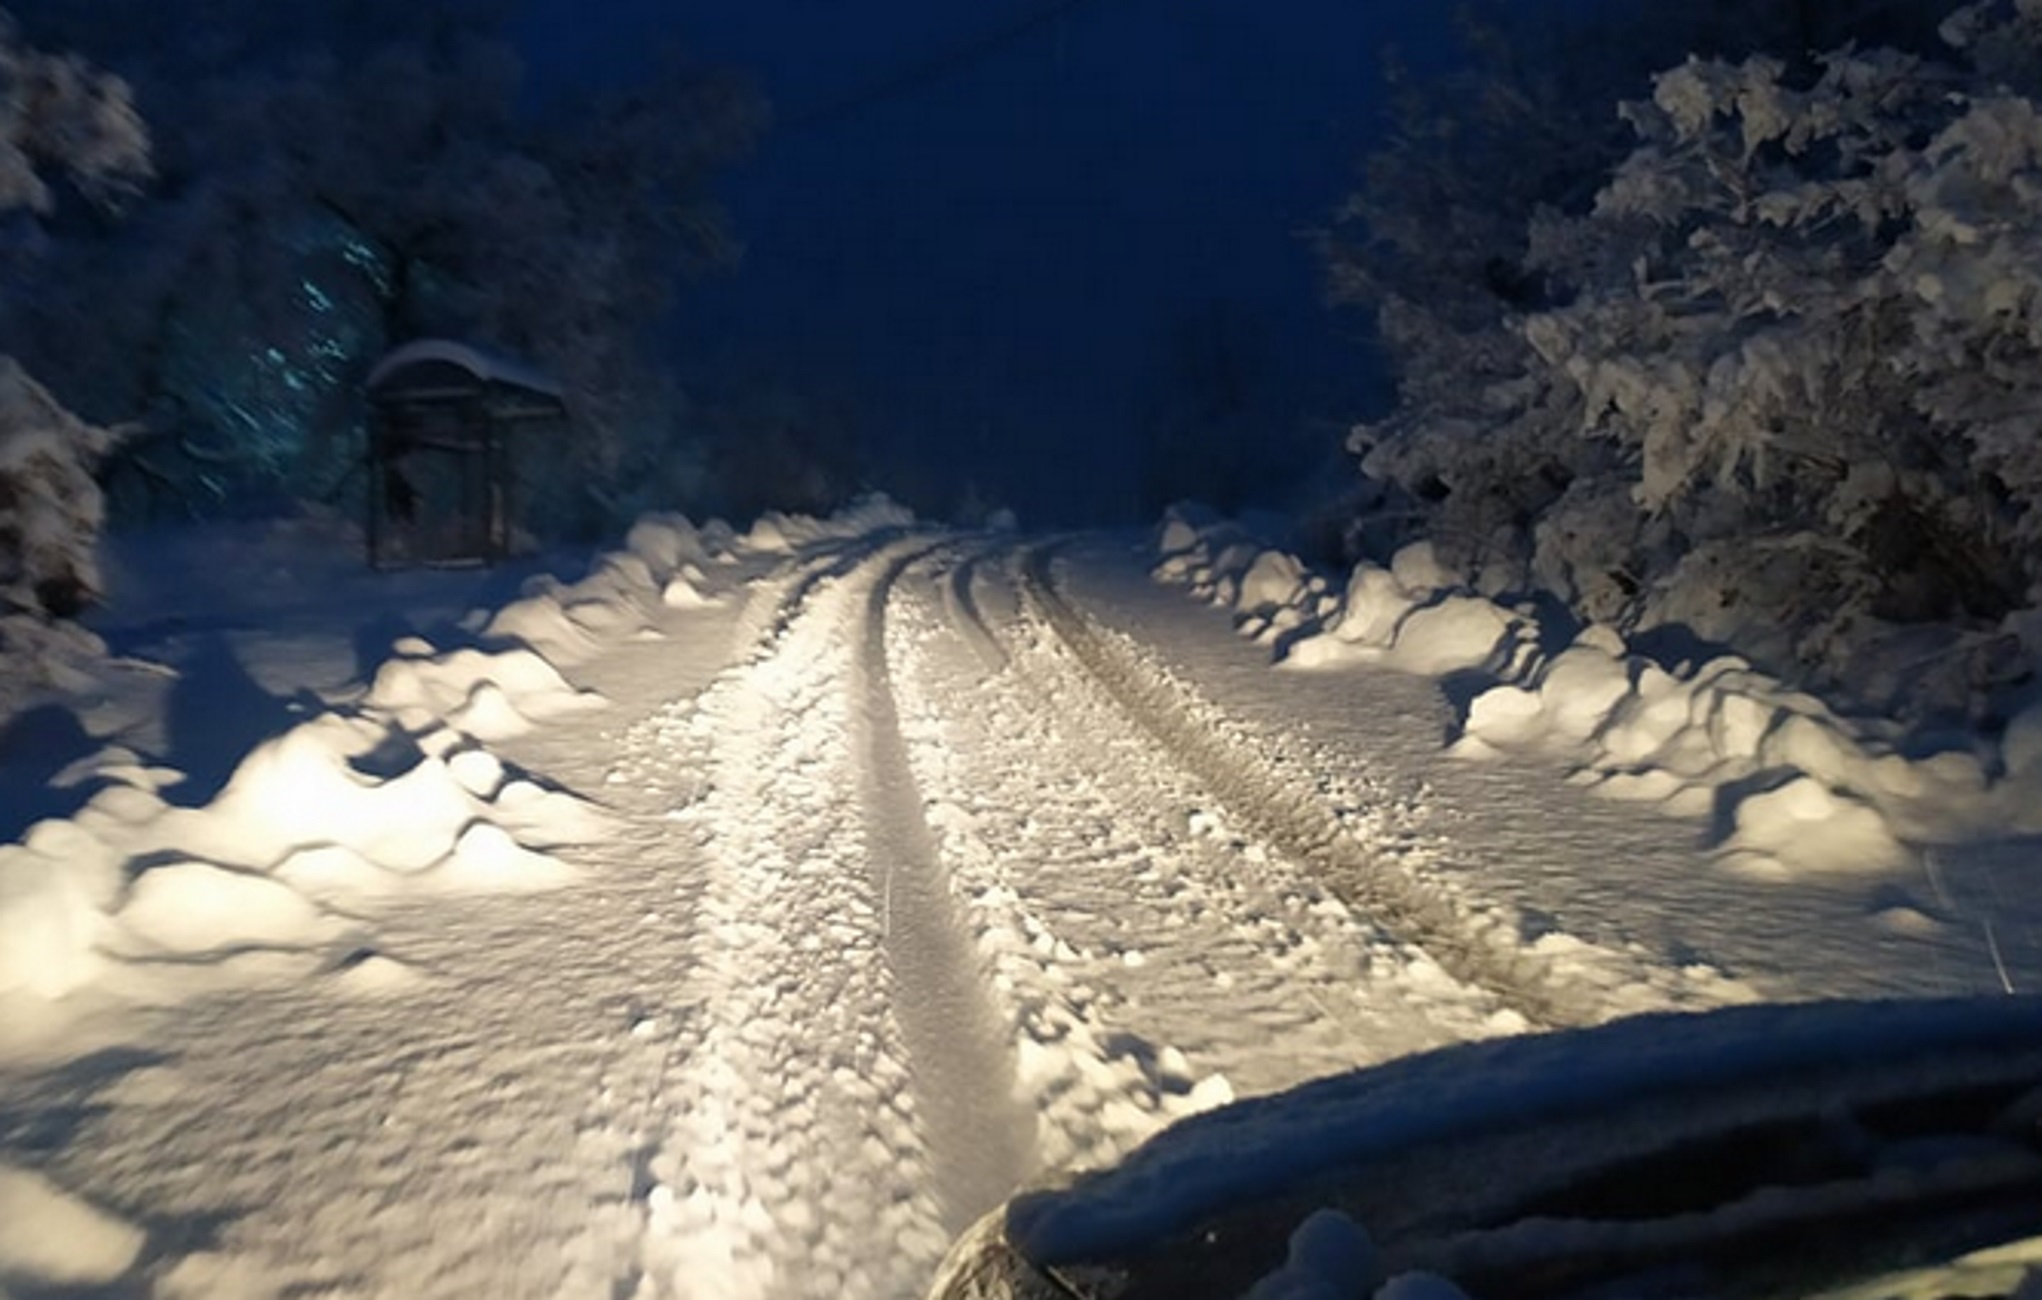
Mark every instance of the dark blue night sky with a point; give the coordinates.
(986, 255)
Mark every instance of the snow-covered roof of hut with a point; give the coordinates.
(484, 365)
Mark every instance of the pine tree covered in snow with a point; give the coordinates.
(1778, 381)
(61, 123)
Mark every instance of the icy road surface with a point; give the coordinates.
(935, 862)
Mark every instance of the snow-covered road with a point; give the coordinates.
(932, 862)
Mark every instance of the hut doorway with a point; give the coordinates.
(442, 416)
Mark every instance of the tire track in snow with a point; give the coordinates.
(807, 1154)
(982, 1144)
(1145, 961)
(1474, 948)
(961, 602)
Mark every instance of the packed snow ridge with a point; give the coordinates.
(1709, 737)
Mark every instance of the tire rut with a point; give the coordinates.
(982, 1144)
(834, 1115)
(1472, 948)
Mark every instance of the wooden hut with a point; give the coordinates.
(443, 416)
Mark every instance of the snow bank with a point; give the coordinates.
(665, 564)
(394, 794)
(774, 533)
(1790, 787)
(491, 695)
(339, 810)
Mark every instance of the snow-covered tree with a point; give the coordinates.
(1778, 382)
(1436, 242)
(334, 189)
(62, 124)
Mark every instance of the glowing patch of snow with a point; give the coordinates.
(449, 682)
(477, 771)
(211, 1275)
(1455, 634)
(52, 1238)
(1814, 827)
(683, 593)
(54, 890)
(488, 714)
(487, 859)
(1418, 570)
(541, 623)
(299, 790)
(194, 908)
(1274, 581)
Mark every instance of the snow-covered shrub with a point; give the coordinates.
(1781, 382)
(50, 508)
(57, 115)
(1441, 243)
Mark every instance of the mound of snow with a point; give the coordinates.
(446, 683)
(1374, 605)
(684, 591)
(477, 771)
(1418, 570)
(50, 1238)
(665, 542)
(488, 860)
(1273, 581)
(1507, 715)
(197, 909)
(1810, 826)
(540, 622)
(301, 789)
(774, 533)
(1839, 796)
(488, 714)
(1455, 634)
(334, 875)
(55, 890)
